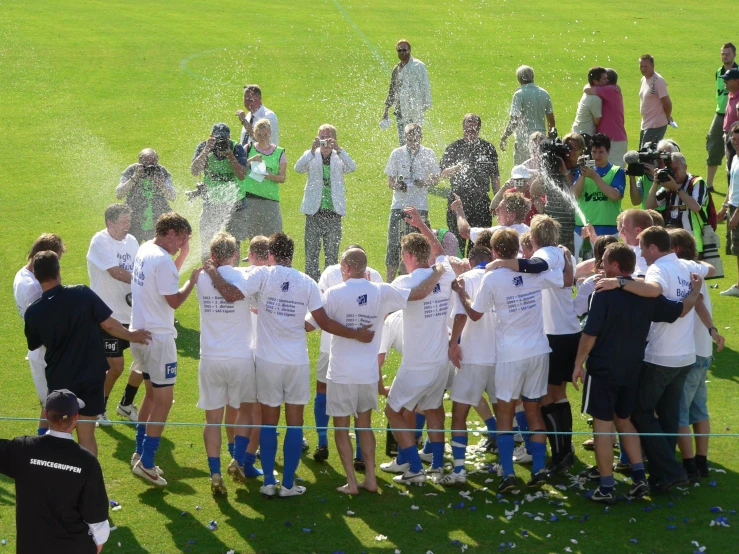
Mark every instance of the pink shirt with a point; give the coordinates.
(730, 117)
(650, 95)
(612, 122)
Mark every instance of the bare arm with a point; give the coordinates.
(238, 169)
(280, 177)
(120, 274)
(230, 293)
(424, 288)
(578, 185)
(455, 351)
(363, 334)
(636, 286)
(707, 320)
(198, 164)
(583, 350)
(497, 199)
(462, 224)
(464, 298)
(176, 300)
(114, 327)
(634, 193)
(550, 121)
(414, 218)
(667, 105)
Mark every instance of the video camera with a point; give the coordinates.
(648, 154)
(552, 150)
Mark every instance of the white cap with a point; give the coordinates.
(520, 172)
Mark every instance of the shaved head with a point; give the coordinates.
(354, 262)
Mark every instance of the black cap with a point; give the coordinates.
(64, 402)
(221, 130)
(733, 73)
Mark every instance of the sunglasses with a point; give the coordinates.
(403, 50)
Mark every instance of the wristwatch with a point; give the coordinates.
(711, 330)
(622, 282)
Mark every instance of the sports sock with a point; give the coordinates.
(623, 457)
(128, 395)
(459, 448)
(702, 463)
(523, 426)
(151, 445)
(638, 473)
(400, 458)
(268, 448)
(291, 450)
(214, 463)
(358, 451)
(106, 403)
(505, 453)
(140, 434)
(690, 466)
(492, 424)
(538, 456)
(322, 418)
(565, 425)
(240, 446)
(427, 446)
(607, 483)
(420, 423)
(231, 449)
(411, 455)
(41, 431)
(437, 452)
(550, 422)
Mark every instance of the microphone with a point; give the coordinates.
(631, 157)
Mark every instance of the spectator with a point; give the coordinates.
(146, 186)
(729, 209)
(612, 122)
(410, 90)
(510, 213)
(715, 141)
(257, 111)
(324, 198)
(222, 162)
(471, 164)
(521, 181)
(639, 188)
(530, 107)
(590, 108)
(731, 78)
(654, 103)
(577, 145)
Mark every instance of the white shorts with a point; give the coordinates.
(527, 378)
(322, 367)
(224, 382)
(450, 379)
(350, 400)
(280, 383)
(38, 372)
(157, 360)
(471, 381)
(418, 389)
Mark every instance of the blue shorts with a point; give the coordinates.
(694, 401)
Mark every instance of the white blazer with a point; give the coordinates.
(312, 164)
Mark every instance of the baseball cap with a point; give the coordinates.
(520, 172)
(733, 73)
(64, 402)
(221, 130)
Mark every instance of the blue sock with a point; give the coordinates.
(214, 463)
(538, 456)
(322, 419)
(492, 425)
(420, 423)
(412, 457)
(400, 458)
(427, 447)
(505, 453)
(151, 445)
(268, 448)
(437, 450)
(140, 434)
(637, 472)
(623, 457)
(240, 444)
(459, 448)
(358, 452)
(291, 450)
(523, 426)
(41, 431)
(607, 483)
(231, 449)
(249, 469)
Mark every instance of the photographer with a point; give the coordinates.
(639, 188)
(577, 147)
(222, 162)
(146, 186)
(599, 189)
(682, 196)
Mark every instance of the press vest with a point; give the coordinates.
(146, 204)
(596, 206)
(221, 181)
(266, 189)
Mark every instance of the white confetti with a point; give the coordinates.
(414, 507)
(113, 528)
(431, 494)
(380, 538)
(403, 493)
(568, 549)
(349, 513)
(502, 531)
(489, 516)
(573, 541)
(632, 520)
(717, 470)
(397, 551)
(488, 501)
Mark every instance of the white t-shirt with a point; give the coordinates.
(285, 296)
(559, 307)
(154, 277)
(356, 303)
(589, 107)
(640, 270)
(703, 341)
(478, 337)
(26, 290)
(225, 327)
(425, 330)
(517, 300)
(673, 344)
(732, 196)
(521, 228)
(584, 293)
(419, 167)
(392, 333)
(105, 253)
(331, 277)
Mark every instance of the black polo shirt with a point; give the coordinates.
(620, 320)
(59, 489)
(481, 158)
(66, 320)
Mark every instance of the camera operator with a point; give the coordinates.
(577, 147)
(599, 189)
(146, 186)
(222, 162)
(682, 196)
(639, 187)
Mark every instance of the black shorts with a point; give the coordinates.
(113, 346)
(147, 377)
(562, 357)
(92, 394)
(602, 398)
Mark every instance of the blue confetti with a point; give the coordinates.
(712, 483)
(670, 504)
(323, 500)
(672, 527)
(395, 513)
(647, 509)
(288, 524)
(455, 542)
(191, 541)
(113, 504)
(418, 527)
(459, 506)
(553, 518)
(715, 510)
(183, 514)
(608, 510)
(473, 508)
(732, 512)
(634, 541)
(252, 536)
(441, 511)
(671, 518)
(306, 529)
(525, 533)
(685, 520)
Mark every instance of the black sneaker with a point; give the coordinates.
(538, 480)
(702, 469)
(561, 466)
(591, 473)
(603, 497)
(321, 454)
(620, 467)
(665, 487)
(639, 489)
(489, 444)
(358, 464)
(507, 484)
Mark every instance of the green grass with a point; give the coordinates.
(87, 84)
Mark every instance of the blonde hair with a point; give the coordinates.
(223, 247)
(259, 246)
(545, 230)
(263, 123)
(516, 204)
(416, 245)
(330, 128)
(505, 243)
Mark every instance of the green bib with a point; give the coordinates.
(222, 184)
(147, 191)
(264, 189)
(596, 206)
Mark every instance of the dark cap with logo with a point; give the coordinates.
(733, 73)
(63, 402)
(221, 130)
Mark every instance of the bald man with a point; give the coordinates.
(146, 186)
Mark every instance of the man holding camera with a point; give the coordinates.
(715, 143)
(146, 186)
(257, 111)
(222, 162)
(654, 103)
(640, 171)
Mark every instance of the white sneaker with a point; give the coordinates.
(268, 490)
(136, 457)
(733, 290)
(149, 475)
(497, 469)
(103, 421)
(409, 477)
(394, 467)
(436, 474)
(306, 444)
(131, 412)
(426, 458)
(297, 490)
(518, 438)
(520, 456)
(453, 479)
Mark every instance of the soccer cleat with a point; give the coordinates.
(270, 491)
(520, 456)
(488, 444)
(216, 485)
(454, 478)
(136, 457)
(589, 445)
(306, 445)
(297, 490)
(507, 484)
(665, 487)
(591, 474)
(358, 464)
(320, 454)
(436, 474)
(603, 497)
(426, 458)
(620, 467)
(497, 469)
(639, 489)
(102, 420)
(420, 441)
(733, 290)
(236, 471)
(539, 479)
(410, 477)
(394, 467)
(150, 475)
(130, 411)
(518, 438)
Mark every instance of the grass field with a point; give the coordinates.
(86, 84)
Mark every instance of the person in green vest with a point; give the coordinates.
(639, 188)
(222, 162)
(599, 191)
(715, 145)
(146, 186)
(267, 168)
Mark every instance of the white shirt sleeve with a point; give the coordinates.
(100, 531)
(101, 257)
(484, 301)
(393, 298)
(654, 275)
(315, 300)
(167, 279)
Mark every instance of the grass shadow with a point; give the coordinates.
(725, 364)
(188, 342)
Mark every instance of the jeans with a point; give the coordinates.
(660, 391)
(655, 134)
(397, 228)
(694, 401)
(324, 226)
